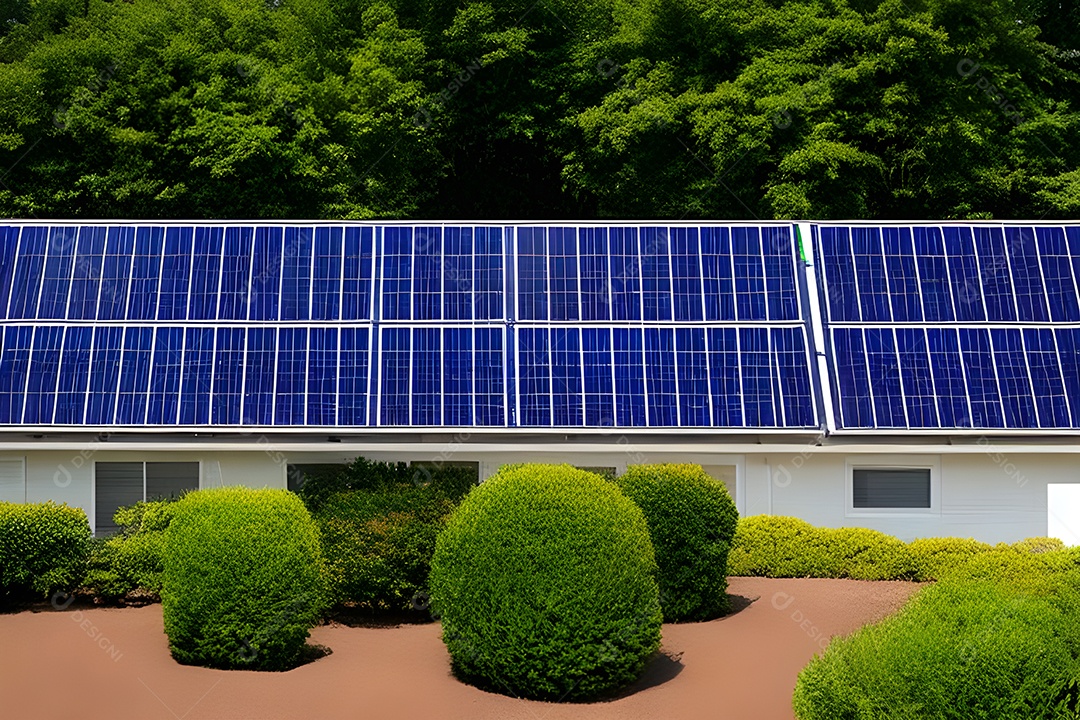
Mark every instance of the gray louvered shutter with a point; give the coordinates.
(12, 480)
(170, 479)
(117, 484)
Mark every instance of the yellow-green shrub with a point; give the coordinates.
(863, 554)
(933, 556)
(1039, 545)
(962, 649)
(43, 547)
(778, 546)
(133, 559)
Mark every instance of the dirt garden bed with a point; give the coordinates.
(109, 662)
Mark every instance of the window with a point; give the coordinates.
(422, 469)
(297, 475)
(12, 480)
(118, 484)
(891, 488)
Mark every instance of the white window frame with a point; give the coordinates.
(892, 462)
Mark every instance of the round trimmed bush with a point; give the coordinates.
(244, 578)
(43, 547)
(692, 521)
(545, 581)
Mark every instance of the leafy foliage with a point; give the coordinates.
(379, 543)
(692, 521)
(969, 647)
(133, 559)
(575, 108)
(244, 578)
(545, 581)
(779, 546)
(43, 547)
(446, 481)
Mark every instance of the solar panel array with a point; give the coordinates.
(403, 325)
(946, 327)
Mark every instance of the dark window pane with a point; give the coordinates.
(170, 479)
(891, 488)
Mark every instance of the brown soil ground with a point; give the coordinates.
(94, 663)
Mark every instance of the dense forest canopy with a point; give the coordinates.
(540, 109)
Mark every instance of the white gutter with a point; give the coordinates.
(359, 448)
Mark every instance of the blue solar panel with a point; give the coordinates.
(296, 270)
(260, 370)
(354, 361)
(946, 327)
(290, 378)
(196, 380)
(322, 374)
(357, 274)
(228, 379)
(74, 375)
(429, 326)
(146, 266)
(134, 376)
(236, 267)
(664, 377)
(101, 396)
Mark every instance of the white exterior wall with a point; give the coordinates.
(67, 477)
(984, 496)
(976, 494)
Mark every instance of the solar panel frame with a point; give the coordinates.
(176, 316)
(1011, 287)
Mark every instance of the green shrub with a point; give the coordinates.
(448, 481)
(863, 554)
(1039, 545)
(692, 521)
(43, 547)
(244, 578)
(378, 544)
(1031, 572)
(933, 556)
(960, 650)
(545, 581)
(778, 546)
(132, 560)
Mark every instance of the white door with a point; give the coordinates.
(1063, 512)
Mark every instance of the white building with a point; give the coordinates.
(920, 379)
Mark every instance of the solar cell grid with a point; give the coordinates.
(101, 397)
(963, 341)
(273, 325)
